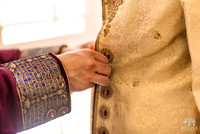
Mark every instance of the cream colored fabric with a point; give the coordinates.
(151, 68)
(192, 13)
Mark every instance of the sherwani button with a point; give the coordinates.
(103, 130)
(104, 112)
(108, 54)
(106, 92)
(63, 111)
(51, 114)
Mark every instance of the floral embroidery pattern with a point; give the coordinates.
(41, 87)
(112, 6)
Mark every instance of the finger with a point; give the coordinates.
(92, 45)
(100, 57)
(101, 80)
(102, 68)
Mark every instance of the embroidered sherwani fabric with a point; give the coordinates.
(154, 84)
(42, 87)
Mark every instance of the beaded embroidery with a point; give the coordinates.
(41, 87)
(109, 14)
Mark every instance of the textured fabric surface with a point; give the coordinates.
(9, 55)
(151, 89)
(42, 88)
(10, 112)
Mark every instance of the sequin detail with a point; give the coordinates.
(42, 88)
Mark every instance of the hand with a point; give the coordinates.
(85, 68)
(88, 45)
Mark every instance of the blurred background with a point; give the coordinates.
(32, 23)
(40, 23)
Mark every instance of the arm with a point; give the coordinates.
(10, 122)
(56, 49)
(9, 55)
(36, 51)
(14, 54)
(87, 45)
(40, 89)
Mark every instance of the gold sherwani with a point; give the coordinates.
(153, 48)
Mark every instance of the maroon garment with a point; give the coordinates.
(10, 112)
(13, 119)
(9, 55)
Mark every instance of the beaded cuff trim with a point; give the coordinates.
(42, 90)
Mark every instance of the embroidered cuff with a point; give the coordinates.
(42, 87)
(37, 51)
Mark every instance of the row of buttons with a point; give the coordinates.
(51, 114)
(106, 93)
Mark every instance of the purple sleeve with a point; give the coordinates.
(9, 55)
(10, 111)
(33, 91)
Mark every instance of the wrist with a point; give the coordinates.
(62, 49)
